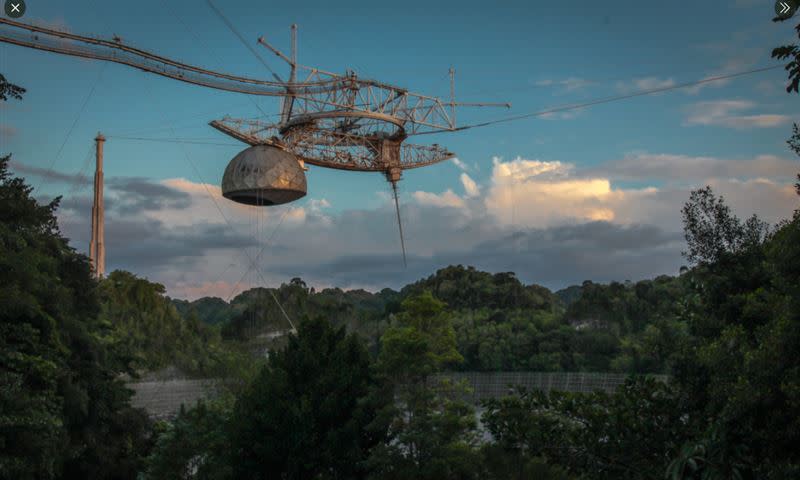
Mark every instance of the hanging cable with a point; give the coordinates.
(263, 249)
(177, 140)
(205, 291)
(399, 223)
(599, 101)
(81, 181)
(200, 40)
(241, 39)
(191, 120)
(71, 128)
(221, 212)
(214, 201)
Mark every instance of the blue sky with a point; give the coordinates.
(636, 158)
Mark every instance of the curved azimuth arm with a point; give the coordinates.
(319, 92)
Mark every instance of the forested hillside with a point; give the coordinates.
(500, 323)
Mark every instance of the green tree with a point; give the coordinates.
(712, 230)
(305, 415)
(431, 432)
(63, 411)
(629, 434)
(790, 52)
(147, 329)
(9, 90)
(738, 370)
(194, 445)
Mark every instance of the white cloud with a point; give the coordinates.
(208, 204)
(574, 83)
(646, 83)
(569, 84)
(471, 189)
(758, 121)
(540, 193)
(743, 59)
(446, 199)
(317, 205)
(552, 222)
(671, 168)
(564, 115)
(458, 163)
(534, 193)
(728, 113)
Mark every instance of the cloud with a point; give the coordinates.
(142, 244)
(552, 222)
(742, 59)
(686, 168)
(446, 199)
(574, 83)
(471, 189)
(458, 163)
(140, 194)
(771, 87)
(554, 257)
(50, 174)
(218, 288)
(569, 84)
(645, 83)
(207, 204)
(758, 121)
(727, 113)
(534, 192)
(317, 205)
(565, 115)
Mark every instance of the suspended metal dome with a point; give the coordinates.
(264, 175)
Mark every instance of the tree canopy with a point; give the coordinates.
(64, 414)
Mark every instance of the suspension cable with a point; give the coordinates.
(603, 100)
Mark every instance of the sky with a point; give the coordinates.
(587, 194)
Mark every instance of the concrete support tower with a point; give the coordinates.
(97, 248)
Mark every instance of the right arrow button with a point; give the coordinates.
(785, 8)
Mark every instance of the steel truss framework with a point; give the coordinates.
(328, 120)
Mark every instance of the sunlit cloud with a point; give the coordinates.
(445, 199)
(552, 222)
(729, 113)
(471, 189)
(542, 193)
(458, 163)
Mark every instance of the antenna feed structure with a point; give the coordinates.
(339, 121)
